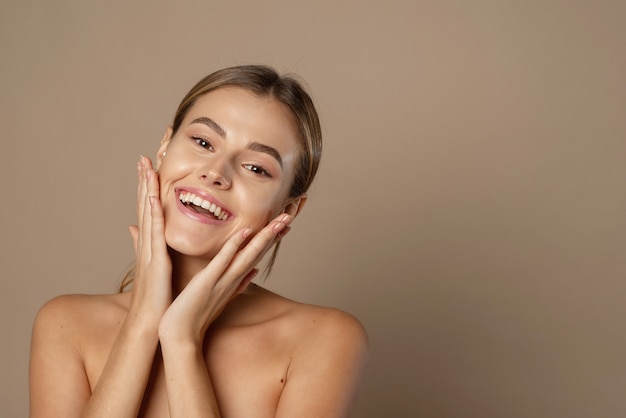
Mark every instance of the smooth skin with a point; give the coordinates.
(194, 338)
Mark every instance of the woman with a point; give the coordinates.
(194, 337)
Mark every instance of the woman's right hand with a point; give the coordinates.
(122, 384)
(152, 288)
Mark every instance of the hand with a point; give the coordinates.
(152, 289)
(225, 277)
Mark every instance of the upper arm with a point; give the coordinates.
(57, 379)
(326, 372)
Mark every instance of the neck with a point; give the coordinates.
(184, 268)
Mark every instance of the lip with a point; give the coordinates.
(195, 215)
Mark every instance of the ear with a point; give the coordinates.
(165, 142)
(295, 205)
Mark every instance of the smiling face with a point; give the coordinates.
(229, 166)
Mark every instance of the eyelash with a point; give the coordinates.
(258, 170)
(200, 140)
(255, 169)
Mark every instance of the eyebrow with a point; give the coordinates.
(252, 146)
(211, 124)
(255, 146)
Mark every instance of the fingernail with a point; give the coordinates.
(278, 227)
(246, 233)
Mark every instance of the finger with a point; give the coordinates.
(222, 260)
(153, 179)
(237, 262)
(282, 233)
(232, 263)
(268, 236)
(141, 190)
(153, 207)
(144, 170)
(145, 227)
(157, 238)
(134, 234)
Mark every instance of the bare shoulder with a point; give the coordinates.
(328, 350)
(318, 330)
(66, 330)
(78, 306)
(65, 315)
(306, 321)
(327, 325)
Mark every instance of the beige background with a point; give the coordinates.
(469, 210)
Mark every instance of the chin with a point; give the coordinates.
(193, 246)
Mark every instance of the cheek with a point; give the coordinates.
(261, 220)
(268, 217)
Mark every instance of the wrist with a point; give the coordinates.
(183, 347)
(141, 325)
(178, 332)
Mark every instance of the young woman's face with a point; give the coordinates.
(229, 167)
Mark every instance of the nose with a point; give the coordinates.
(217, 180)
(215, 174)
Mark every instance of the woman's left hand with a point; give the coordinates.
(226, 276)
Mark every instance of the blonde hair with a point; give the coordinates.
(264, 82)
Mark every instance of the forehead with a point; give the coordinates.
(244, 115)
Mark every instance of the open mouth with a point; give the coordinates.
(203, 207)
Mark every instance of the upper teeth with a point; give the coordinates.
(188, 197)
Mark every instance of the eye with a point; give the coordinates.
(203, 142)
(258, 170)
